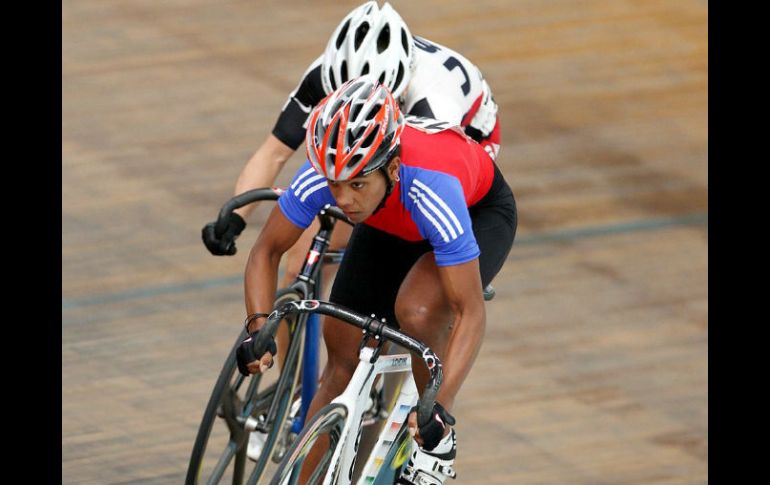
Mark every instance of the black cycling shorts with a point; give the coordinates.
(376, 263)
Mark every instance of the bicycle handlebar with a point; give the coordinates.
(255, 195)
(371, 326)
(239, 201)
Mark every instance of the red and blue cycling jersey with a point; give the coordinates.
(442, 173)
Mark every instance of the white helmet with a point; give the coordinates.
(369, 40)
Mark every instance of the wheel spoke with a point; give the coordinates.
(224, 460)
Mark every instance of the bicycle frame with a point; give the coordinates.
(354, 398)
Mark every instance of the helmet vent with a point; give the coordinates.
(329, 161)
(365, 69)
(353, 135)
(332, 81)
(369, 139)
(382, 78)
(338, 103)
(344, 71)
(354, 110)
(372, 112)
(404, 41)
(399, 76)
(360, 34)
(383, 40)
(343, 33)
(334, 130)
(354, 160)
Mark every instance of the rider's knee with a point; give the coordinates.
(413, 317)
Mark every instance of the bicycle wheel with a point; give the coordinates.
(219, 452)
(329, 422)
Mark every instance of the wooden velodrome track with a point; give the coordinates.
(594, 365)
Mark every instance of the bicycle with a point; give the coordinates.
(239, 405)
(342, 419)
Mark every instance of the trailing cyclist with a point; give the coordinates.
(435, 223)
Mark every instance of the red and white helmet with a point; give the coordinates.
(354, 130)
(369, 40)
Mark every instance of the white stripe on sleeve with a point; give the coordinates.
(302, 176)
(441, 203)
(311, 190)
(429, 217)
(424, 199)
(307, 182)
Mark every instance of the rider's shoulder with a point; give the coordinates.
(431, 126)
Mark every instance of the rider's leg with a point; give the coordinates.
(423, 312)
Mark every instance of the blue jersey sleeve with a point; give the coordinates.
(437, 205)
(307, 194)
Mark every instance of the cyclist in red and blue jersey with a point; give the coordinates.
(435, 221)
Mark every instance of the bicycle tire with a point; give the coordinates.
(330, 420)
(396, 459)
(225, 407)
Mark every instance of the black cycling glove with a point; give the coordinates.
(224, 246)
(432, 432)
(246, 353)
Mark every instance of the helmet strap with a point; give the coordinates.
(388, 188)
(390, 184)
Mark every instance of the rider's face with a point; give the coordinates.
(360, 196)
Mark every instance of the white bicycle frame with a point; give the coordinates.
(355, 398)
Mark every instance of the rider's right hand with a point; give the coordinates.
(429, 435)
(224, 245)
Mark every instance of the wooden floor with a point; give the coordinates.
(594, 366)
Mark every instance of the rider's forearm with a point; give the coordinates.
(462, 348)
(261, 277)
(260, 281)
(262, 169)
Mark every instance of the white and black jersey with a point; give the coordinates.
(444, 85)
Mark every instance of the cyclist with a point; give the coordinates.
(435, 221)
